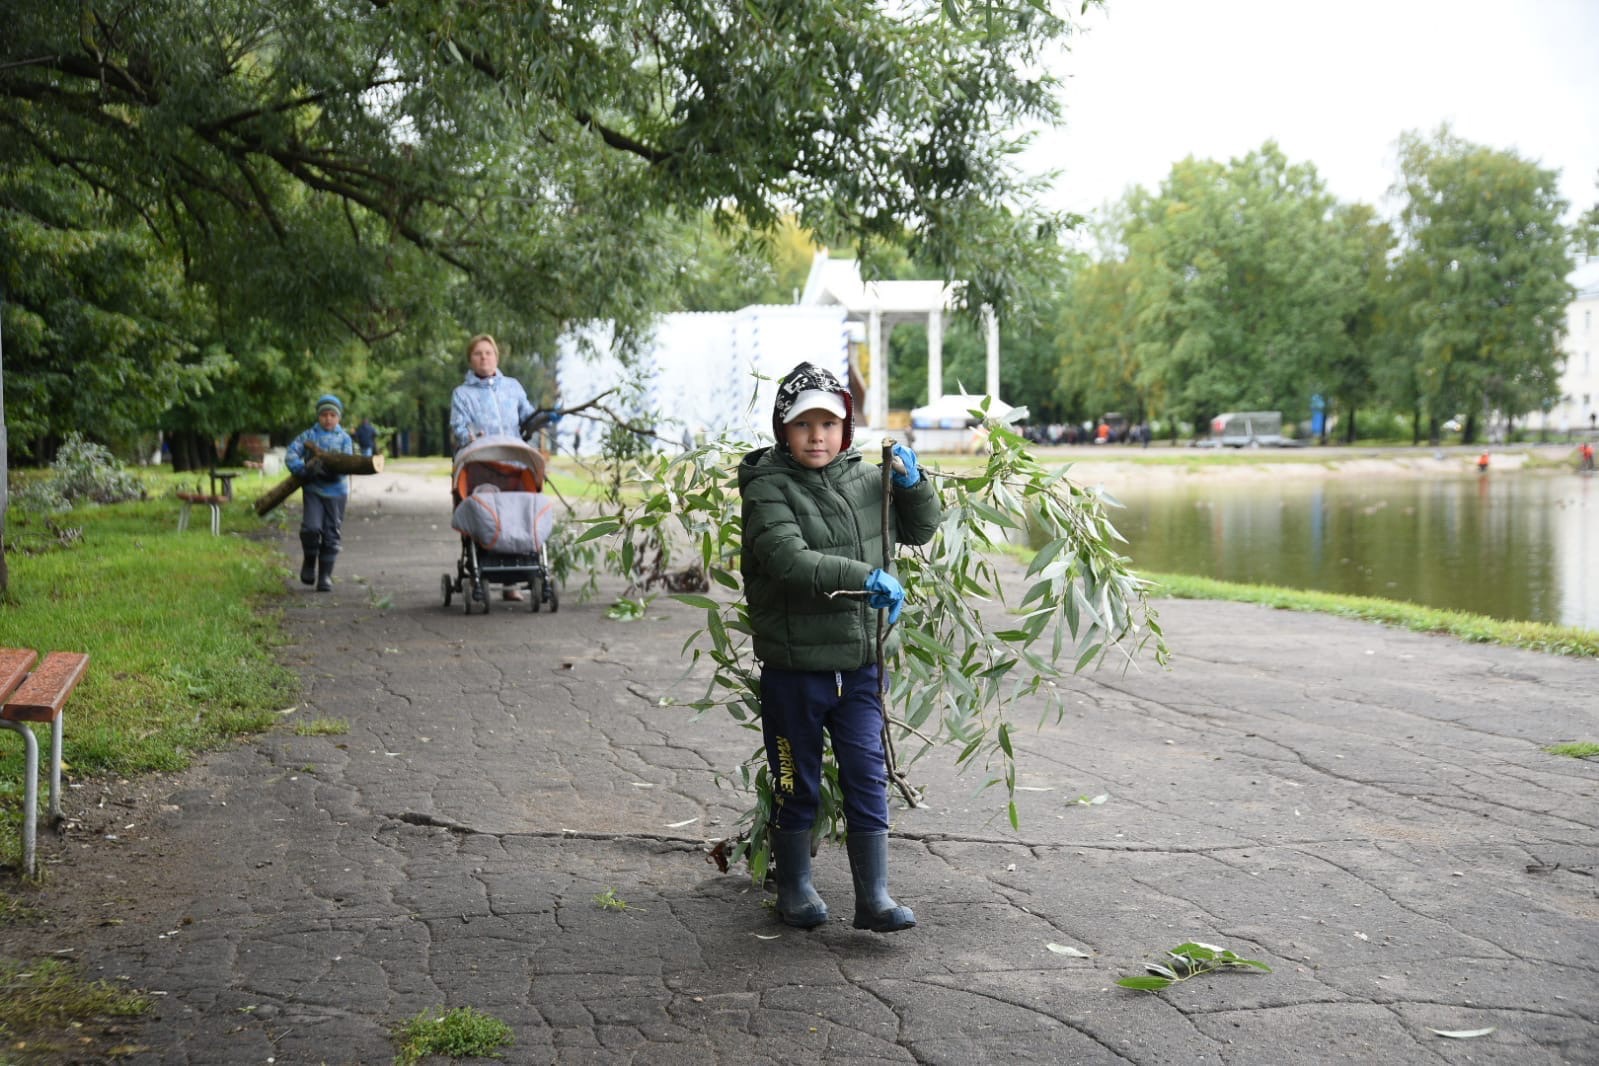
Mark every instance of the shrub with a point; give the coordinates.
(83, 470)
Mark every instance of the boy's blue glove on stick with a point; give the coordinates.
(906, 472)
(885, 592)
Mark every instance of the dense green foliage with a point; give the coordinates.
(459, 1033)
(1246, 286)
(1480, 284)
(46, 1001)
(350, 181)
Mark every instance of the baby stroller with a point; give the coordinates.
(504, 520)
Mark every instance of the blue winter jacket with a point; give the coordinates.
(480, 407)
(328, 440)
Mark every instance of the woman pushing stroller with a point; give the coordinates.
(489, 404)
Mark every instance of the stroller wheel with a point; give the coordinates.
(448, 587)
(555, 596)
(535, 594)
(480, 592)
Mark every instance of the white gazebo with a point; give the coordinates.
(882, 305)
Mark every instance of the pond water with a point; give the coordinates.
(1508, 546)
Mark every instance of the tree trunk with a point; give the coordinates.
(191, 451)
(1349, 434)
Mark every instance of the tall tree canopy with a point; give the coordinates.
(1482, 277)
(1236, 286)
(362, 162)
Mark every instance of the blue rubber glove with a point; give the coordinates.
(885, 592)
(906, 459)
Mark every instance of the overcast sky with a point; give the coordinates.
(1335, 84)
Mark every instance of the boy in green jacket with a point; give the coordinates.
(812, 522)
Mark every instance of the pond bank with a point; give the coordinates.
(1156, 466)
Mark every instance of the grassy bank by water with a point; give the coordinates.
(181, 631)
(1476, 629)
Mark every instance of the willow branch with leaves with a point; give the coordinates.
(978, 649)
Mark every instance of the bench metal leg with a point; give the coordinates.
(30, 793)
(55, 768)
(216, 520)
(183, 517)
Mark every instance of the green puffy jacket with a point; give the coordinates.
(811, 532)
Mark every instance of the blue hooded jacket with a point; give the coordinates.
(488, 407)
(328, 440)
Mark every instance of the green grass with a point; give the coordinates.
(610, 901)
(42, 1001)
(181, 632)
(13, 909)
(1576, 749)
(1476, 629)
(322, 727)
(460, 1033)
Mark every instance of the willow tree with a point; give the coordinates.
(393, 170)
(347, 160)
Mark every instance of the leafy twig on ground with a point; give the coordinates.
(1189, 960)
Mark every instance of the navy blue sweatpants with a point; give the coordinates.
(796, 705)
(321, 522)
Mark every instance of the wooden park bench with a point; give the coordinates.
(37, 695)
(213, 500)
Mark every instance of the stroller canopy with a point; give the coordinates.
(509, 463)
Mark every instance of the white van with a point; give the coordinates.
(1248, 429)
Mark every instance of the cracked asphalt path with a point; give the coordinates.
(1370, 812)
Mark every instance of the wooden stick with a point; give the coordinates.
(890, 761)
(337, 462)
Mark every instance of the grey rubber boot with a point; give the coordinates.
(309, 543)
(797, 901)
(324, 573)
(868, 863)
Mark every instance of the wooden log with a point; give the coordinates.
(339, 463)
(277, 494)
(336, 462)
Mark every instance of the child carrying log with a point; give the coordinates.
(324, 492)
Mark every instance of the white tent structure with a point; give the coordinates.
(705, 372)
(880, 306)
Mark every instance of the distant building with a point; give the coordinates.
(1578, 406)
